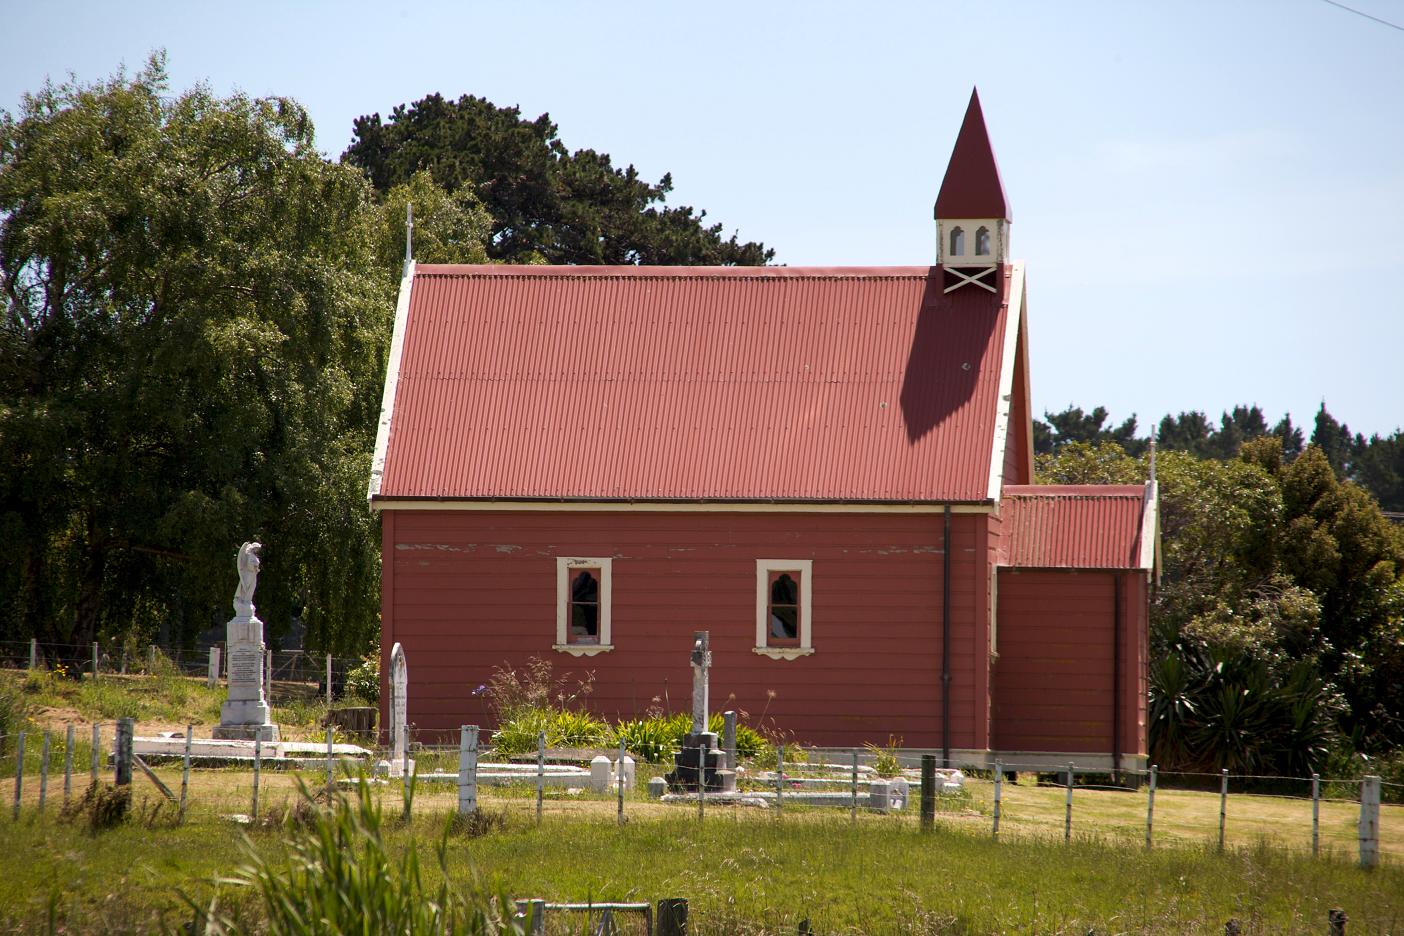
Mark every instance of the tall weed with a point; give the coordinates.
(340, 876)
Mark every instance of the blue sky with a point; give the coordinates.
(1209, 196)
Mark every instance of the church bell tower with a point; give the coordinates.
(972, 213)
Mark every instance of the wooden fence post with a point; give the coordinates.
(93, 756)
(729, 738)
(68, 762)
(467, 769)
(212, 678)
(122, 769)
(1150, 806)
(185, 771)
(701, 778)
(150, 659)
(329, 678)
(1369, 822)
(19, 772)
(536, 925)
(619, 769)
(779, 780)
(999, 780)
(1315, 814)
(44, 772)
(540, 772)
(33, 654)
(1223, 805)
(95, 659)
(1067, 812)
(672, 917)
(330, 735)
(928, 792)
(853, 790)
(258, 768)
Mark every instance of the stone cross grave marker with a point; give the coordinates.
(701, 664)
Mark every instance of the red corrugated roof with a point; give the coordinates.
(971, 187)
(688, 383)
(1072, 526)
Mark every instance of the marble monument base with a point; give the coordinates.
(245, 720)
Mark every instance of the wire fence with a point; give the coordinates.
(1333, 817)
(288, 673)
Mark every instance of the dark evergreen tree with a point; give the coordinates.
(1074, 425)
(1379, 468)
(1292, 439)
(1335, 442)
(547, 204)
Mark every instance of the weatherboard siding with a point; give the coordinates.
(468, 591)
(1054, 673)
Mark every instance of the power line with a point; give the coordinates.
(1382, 22)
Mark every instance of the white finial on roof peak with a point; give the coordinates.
(1152, 461)
(409, 236)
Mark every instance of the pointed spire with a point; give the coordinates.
(972, 188)
(409, 236)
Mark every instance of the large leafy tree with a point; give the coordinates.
(548, 204)
(190, 353)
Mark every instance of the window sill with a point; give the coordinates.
(783, 653)
(580, 650)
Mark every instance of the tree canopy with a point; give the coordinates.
(548, 204)
(190, 356)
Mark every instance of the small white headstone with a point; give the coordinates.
(400, 764)
(600, 770)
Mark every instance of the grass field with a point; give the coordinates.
(745, 870)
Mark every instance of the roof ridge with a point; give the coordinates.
(594, 272)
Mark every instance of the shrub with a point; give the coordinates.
(14, 714)
(364, 680)
(650, 739)
(657, 738)
(518, 734)
(577, 729)
(510, 690)
(885, 760)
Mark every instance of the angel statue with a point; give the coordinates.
(248, 579)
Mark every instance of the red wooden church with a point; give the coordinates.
(827, 468)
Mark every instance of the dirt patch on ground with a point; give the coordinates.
(56, 719)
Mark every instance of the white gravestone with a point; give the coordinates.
(245, 713)
(400, 763)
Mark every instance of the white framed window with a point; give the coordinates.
(583, 595)
(783, 608)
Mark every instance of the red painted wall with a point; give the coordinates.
(1054, 674)
(466, 591)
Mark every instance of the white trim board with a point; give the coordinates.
(1004, 401)
(393, 503)
(392, 380)
(1150, 530)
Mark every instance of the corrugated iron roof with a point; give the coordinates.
(1072, 526)
(689, 383)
